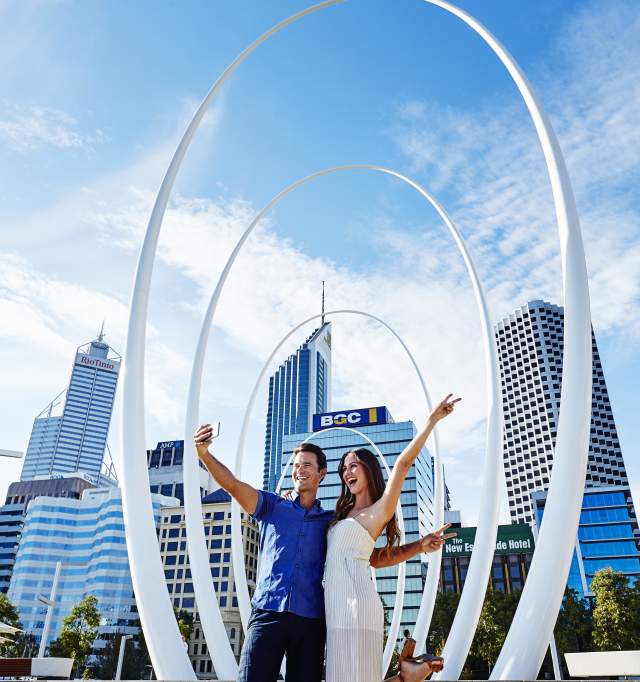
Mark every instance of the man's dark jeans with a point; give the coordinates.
(270, 636)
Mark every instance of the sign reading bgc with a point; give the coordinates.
(364, 417)
(97, 363)
(512, 539)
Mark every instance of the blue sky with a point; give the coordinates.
(95, 97)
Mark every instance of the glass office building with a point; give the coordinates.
(11, 518)
(12, 513)
(88, 537)
(165, 470)
(75, 440)
(608, 536)
(300, 388)
(416, 498)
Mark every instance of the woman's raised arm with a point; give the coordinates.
(385, 507)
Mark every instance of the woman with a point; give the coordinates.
(354, 613)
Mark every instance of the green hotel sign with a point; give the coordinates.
(512, 539)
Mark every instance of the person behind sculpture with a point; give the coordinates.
(288, 604)
(354, 613)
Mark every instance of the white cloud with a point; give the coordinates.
(501, 195)
(31, 127)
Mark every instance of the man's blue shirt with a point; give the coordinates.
(293, 549)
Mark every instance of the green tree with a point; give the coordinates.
(491, 632)
(574, 624)
(133, 664)
(185, 622)
(9, 616)
(79, 630)
(613, 617)
(444, 612)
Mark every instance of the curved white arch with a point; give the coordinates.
(532, 626)
(166, 649)
(482, 556)
(533, 615)
(394, 628)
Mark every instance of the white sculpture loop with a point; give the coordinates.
(527, 640)
(533, 623)
(482, 556)
(394, 628)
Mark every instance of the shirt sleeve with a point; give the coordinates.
(266, 504)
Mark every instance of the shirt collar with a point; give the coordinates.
(316, 504)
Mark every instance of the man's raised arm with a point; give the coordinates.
(243, 493)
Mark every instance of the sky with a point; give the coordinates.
(95, 97)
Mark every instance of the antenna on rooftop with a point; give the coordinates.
(322, 301)
(101, 334)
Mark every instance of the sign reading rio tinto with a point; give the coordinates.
(355, 418)
(97, 363)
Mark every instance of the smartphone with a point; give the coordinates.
(215, 430)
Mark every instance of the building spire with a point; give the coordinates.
(323, 302)
(101, 334)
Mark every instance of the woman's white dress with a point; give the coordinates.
(354, 613)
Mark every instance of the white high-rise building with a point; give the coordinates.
(530, 344)
(70, 434)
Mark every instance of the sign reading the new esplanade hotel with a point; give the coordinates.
(512, 539)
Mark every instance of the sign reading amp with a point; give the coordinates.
(355, 418)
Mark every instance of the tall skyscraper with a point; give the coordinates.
(416, 498)
(300, 388)
(530, 344)
(75, 440)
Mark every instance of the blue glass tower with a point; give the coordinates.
(75, 440)
(416, 497)
(300, 388)
(608, 536)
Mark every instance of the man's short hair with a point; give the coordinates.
(311, 447)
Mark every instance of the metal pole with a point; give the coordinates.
(50, 604)
(555, 657)
(123, 643)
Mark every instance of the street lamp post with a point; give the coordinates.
(16, 454)
(49, 603)
(123, 643)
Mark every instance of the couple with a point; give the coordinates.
(297, 539)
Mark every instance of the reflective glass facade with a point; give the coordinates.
(76, 440)
(87, 536)
(608, 536)
(416, 498)
(11, 517)
(300, 388)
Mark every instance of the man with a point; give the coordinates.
(288, 604)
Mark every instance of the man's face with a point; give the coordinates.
(306, 475)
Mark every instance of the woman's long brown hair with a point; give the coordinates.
(375, 482)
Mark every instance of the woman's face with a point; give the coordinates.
(354, 474)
